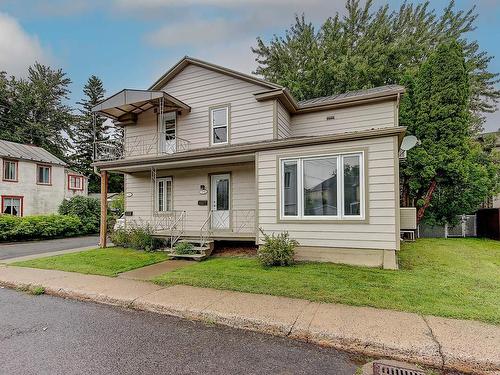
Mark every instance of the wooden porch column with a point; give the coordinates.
(104, 209)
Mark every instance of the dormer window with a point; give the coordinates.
(219, 125)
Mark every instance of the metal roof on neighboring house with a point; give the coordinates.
(27, 152)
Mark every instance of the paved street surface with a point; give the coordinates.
(50, 335)
(20, 249)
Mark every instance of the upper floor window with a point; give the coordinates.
(323, 187)
(219, 125)
(75, 182)
(164, 194)
(10, 168)
(43, 174)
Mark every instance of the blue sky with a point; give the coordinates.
(130, 43)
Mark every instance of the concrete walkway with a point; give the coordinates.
(461, 345)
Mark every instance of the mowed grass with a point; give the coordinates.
(456, 278)
(106, 262)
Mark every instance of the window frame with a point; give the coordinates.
(165, 196)
(75, 176)
(341, 216)
(4, 169)
(226, 107)
(50, 174)
(21, 199)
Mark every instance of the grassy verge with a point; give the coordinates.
(106, 262)
(457, 278)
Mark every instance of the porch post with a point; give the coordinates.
(104, 209)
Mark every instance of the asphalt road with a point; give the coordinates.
(19, 249)
(50, 335)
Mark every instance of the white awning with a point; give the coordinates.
(133, 102)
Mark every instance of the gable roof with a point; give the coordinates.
(185, 61)
(27, 152)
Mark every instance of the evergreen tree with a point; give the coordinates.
(36, 113)
(368, 48)
(449, 173)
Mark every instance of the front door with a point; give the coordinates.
(220, 198)
(167, 133)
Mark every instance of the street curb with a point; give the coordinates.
(347, 344)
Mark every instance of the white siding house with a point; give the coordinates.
(33, 181)
(211, 152)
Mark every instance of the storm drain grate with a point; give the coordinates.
(385, 369)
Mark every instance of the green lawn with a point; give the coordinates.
(106, 262)
(458, 278)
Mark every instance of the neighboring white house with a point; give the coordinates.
(33, 181)
(212, 153)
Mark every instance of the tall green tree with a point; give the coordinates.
(86, 131)
(34, 109)
(449, 173)
(372, 47)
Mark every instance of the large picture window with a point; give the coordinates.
(322, 187)
(164, 194)
(219, 125)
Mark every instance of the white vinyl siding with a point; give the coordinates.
(186, 191)
(378, 231)
(349, 119)
(283, 120)
(201, 89)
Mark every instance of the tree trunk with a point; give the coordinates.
(427, 200)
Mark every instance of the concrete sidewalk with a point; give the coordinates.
(461, 345)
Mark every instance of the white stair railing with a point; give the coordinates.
(177, 229)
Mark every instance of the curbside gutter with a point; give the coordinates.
(431, 341)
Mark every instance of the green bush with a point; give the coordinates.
(277, 250)
(86, 208)
(117, 205)
(13, 228)
(140, 238)
(184, 248)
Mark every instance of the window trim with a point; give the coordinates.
(16, 162)
(156, 204)
(211, 127)
(20, 197)
(340, 218)
(76, 177)
(50, 174)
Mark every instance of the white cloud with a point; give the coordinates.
(18, 49)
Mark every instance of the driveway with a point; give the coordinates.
(20, 249)
(50, 335)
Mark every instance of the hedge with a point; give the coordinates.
(14, 228)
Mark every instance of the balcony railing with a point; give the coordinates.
(139, 145)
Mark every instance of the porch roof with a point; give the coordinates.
(133, 102)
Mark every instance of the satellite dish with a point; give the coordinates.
(409, 142)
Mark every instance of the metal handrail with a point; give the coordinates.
(206, 229)
(159, 143)
(175, 237)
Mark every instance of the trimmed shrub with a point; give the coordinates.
(140, 238)
(86, 208)
(13, 228)
(277, 250)
(184, 248)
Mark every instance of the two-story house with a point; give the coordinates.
(35, 182)
(218, 154)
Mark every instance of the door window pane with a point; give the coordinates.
(164, 194)
(320, 187)
(222, 195)
(352, 186)
(290, 188)
(161, 196)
